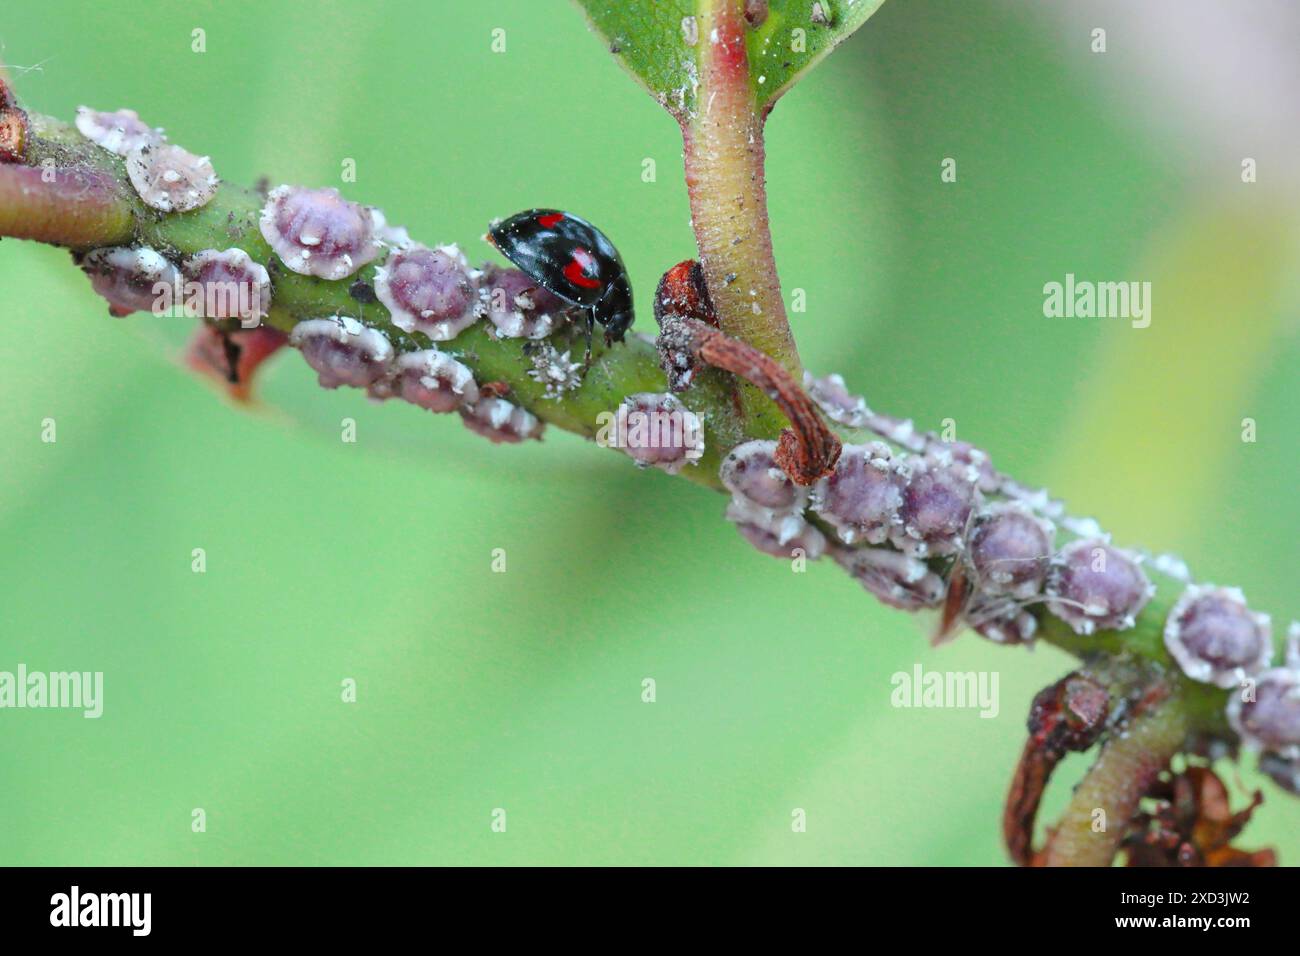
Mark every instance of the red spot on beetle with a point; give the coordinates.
(549, 220)
(578, 268)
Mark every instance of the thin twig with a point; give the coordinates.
(1099, 812)
(808, 449)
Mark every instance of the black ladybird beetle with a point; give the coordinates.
(571, 258)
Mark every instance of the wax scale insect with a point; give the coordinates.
(572, 259)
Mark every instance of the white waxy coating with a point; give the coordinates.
(121, 131)
(897, 579)
(316, 232)
(432, 380)
(862, 497)
(234, 286)
(1009, 548)
(1269, 718)
(343, 351)
(171, 179)
(131, 279)
(501, 421)
(1215, 638)
(782, 537)
(518, 307)
(751, 474)
(1092, 585)
(431, 291)
(655, 428)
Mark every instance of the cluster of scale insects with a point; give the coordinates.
(922, 523)
(431, 293)
(919, 522)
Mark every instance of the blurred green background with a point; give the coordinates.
(522, 690)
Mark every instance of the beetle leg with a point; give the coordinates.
(590, 325)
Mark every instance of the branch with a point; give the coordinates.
(808, 449)
(906, 513)
(1066, 717)
(1124, 773)
(723, 140)
(51, 199)
(80, 209)
(231, 220)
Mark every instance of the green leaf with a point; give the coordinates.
(648, 38)
(792, 40)
(658, 41)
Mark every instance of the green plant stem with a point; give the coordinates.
(1123, 774)
(723, 141)
(230, 220)
(75, 209)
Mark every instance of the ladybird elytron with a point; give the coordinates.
(571, 258)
